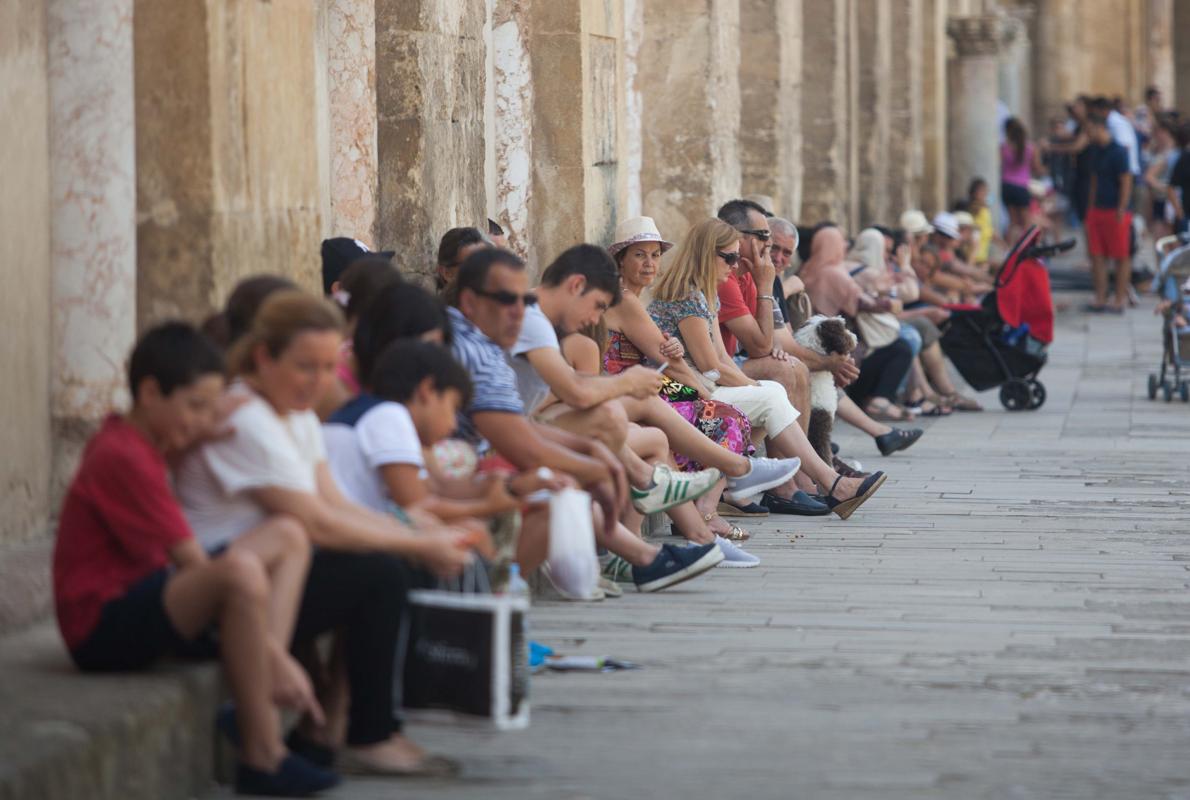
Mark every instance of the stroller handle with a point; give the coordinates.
(1047, 250)
(1167, 243)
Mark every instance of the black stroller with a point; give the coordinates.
(1002, 342)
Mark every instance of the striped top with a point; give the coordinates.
(493, 380)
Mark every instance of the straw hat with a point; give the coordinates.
(637, 229)
(914, 221)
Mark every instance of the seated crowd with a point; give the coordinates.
(296, 467)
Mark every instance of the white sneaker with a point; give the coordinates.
(672, 488)
(765, 473)
(735, 556)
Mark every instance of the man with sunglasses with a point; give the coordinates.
(746, 323)
(491, 303)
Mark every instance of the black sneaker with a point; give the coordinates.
(897, 439)
(295, 777)
(800, 504)
(674, 565)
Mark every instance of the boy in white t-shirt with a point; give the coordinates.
(375, 442)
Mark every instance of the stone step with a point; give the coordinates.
(65, 735)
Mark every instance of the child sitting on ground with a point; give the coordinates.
(131, 583)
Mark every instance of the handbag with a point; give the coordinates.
(573, 564)
(466, 655)
(878, 328)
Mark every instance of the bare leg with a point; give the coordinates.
(651, 447)
(683, 437)
(1099, 279)
(793, 442)
(533, 543)
(607, 424)
(792, 375)
(934, 363)
(1123, 281)
(234, 589)
(852, 414)
(281, 544)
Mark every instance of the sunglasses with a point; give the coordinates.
(761, 235)
(730, 258)
(505, 298)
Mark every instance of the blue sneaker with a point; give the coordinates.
(674, 565)
(296, 777)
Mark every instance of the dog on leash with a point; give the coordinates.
(825, 336)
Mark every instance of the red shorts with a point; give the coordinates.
(1107, 234)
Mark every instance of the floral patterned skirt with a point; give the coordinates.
(722, 423)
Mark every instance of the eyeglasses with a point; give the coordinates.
(730, 258)
(505, 298)
(761, 235)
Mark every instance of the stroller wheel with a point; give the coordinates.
(1154, 384)
(1167, 391)
(1015, 394)
(1184, 391)
(1036, 395)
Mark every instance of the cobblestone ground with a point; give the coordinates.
(1009, 618)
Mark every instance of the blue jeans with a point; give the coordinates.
(909, 335)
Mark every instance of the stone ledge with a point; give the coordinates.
(65, 735)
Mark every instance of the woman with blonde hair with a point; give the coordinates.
(681, 308)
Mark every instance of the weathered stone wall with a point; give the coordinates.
(827, 151)
(25, 351)
(430, 57)
(229, 152)
(873, 129)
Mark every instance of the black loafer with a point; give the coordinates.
(897, 439)
(727, 509)
(801, 505)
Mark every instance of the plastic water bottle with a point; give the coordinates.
(516, 584)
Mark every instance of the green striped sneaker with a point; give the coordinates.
(671, 488)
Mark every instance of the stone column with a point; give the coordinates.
(26, 353)
(633, 124)
(511, 125)
(826, 103)
(873, 128)
(93, 196)
(430, 57)
(770, 95)
(1181, 48)
(933, 105)
(905, 152)
(1159, 49)
(1058, 72)
(688, 74)
(973, 139)
(351, 70)
(230, 151)
(1015, 70)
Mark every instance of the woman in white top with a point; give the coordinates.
(275, 464)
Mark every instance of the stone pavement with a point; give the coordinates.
(1009, 618)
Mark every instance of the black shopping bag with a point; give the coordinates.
(466, 658)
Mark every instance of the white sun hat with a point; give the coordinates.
(914, 221)
(634, 230)
(945, 223)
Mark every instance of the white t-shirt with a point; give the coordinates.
(267, 449)
(384, 434)
(1123, 133)
(537, 332)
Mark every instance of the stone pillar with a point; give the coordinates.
(93, 196)
(430, 57)
(1181, 47)
(770, 95)
(826, 103)
(351, 71)
(905, 152)
(1058, 73)
(230, 152)
(1015, 71)
(973, 139)
(574, 55)
(688, 74)
(873, 128)
(633, 124)
(26, 355)
(933, 105)
(511, 125)
(1159, 49)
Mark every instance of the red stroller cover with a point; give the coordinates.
(1023, 292)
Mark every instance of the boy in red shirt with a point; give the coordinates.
(131, 584)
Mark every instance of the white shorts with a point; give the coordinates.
(766, 406)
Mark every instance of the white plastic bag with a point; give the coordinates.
(573, 565)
